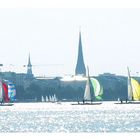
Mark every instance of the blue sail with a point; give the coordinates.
(11, 91)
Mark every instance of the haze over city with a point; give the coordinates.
(110, 40)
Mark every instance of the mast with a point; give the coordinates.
(130, 91)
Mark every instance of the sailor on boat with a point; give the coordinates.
(83, 101)
(2, 101)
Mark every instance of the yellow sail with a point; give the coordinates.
(135, 89)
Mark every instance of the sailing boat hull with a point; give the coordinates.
(87, 104)
(129, 102)
(6, 104)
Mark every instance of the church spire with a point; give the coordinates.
(29, 68)
(80, 67)
(29, 61)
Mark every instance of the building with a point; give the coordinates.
(80, 66)
(20, 78)
(10, 76)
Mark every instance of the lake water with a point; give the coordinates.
(64, 117)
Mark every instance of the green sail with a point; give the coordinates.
(98, 88)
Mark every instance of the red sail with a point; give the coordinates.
(5, 88)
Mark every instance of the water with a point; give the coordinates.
(64, 117)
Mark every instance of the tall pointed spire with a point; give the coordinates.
(29, 61)
(80, 67)
(29, 68)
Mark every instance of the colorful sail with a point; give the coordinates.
(100, 96)
(1, 92)
(98, 88)
(11, 91)
(5, 90)
(135, 89)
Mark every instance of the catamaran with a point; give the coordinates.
(133, 91)
(93, 90)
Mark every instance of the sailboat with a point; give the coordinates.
(133, 91)
(50, 98)
(4, 96)
(42, 99)
(53, 98)
(93, 90)
(47, 99)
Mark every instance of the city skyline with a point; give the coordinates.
(110, 40)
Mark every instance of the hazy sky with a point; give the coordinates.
(110, 38)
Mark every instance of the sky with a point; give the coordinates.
(110, 39)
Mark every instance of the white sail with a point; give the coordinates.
(130, 91)
(55, 99)
(50, 98)
(47, 99)
(1, 92)
(43, 100)
(87, 94)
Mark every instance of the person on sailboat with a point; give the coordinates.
(2, 101)
(91, 101)
(83, 101)
(121, 101)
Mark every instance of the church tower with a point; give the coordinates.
(80, 66)
(29, 69)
